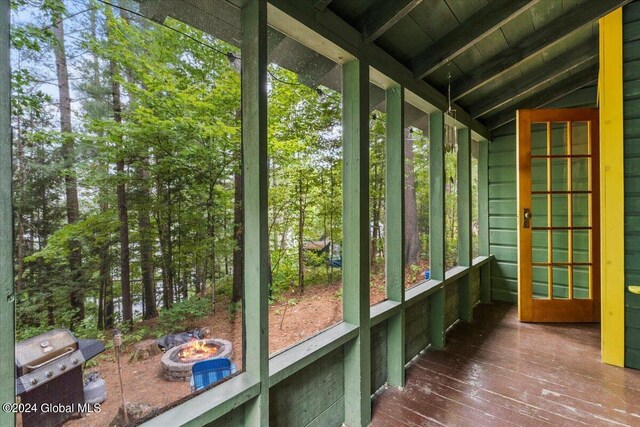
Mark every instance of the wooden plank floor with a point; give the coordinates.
(500, 372)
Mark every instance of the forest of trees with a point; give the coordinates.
(128, 178)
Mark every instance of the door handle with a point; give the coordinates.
(526, 223)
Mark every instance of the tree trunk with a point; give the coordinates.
(300, 234)
(164, 236)
(20, 243)
(238, 233)
(71, 184)
(412, 236)
(123, 211)
(375, 219)
(146, 247)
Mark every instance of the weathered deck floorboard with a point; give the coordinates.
(498, 371)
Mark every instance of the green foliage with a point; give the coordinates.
(184, 315)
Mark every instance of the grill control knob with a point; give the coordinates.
(49, 374)
(34, 381)
(63, 367)
(74, 361)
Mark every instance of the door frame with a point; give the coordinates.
(555, 310)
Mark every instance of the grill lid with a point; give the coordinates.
(41, 349)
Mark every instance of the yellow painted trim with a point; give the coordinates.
(612, 188)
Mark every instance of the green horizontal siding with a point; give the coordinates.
(631, 54)
(502, 218)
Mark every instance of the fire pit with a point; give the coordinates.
(177, 361)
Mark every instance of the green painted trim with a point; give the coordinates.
(293, 359)
(465, 305)
(421, 291)
(464, 197)
(483, 217)
(436, 226)
(394, 225)
(7, 298)
(211, 405)
(394, 197)
(355, 270)
(384, 310)
(255, 173)
(481, 260)
(436, 202)
(456, 273)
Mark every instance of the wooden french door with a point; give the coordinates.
(558, 215)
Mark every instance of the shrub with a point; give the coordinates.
(184, 315)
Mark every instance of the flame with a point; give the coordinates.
(198, 350)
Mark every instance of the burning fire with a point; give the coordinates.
(198, 350)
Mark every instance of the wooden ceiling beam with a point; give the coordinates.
(552, 93)
(478, 26)
(322, 4)
(382, 15)
(584, 55)
(544, 37)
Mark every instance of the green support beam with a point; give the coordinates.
(582, 57)
(255, 168)
(436, 225)
(382, 15)
(544, 37)
(473, 30)
(465, 304)
(7, 299)
(552, 93)
(394, 226)
(483, 217)
(355, 269)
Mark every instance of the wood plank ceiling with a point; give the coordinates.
(499, 55)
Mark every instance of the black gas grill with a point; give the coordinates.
(49, 371)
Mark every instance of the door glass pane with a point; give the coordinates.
(580, 210)
(580, 174)
(581, 279)
(539, 210)
(560, 282)
(560, 247)
(559, 175)
(539, 175)
(559, 138)
(540, 279)
(559, 210)
(580, 138)
(540, 246)
(581, 246)
(538, 139)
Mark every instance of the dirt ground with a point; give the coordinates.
(294, 318)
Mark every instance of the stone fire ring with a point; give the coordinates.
(175, 370)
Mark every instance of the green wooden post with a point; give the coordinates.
(254, 146)
(436, 226)
(465, 305)
(355, 269)
(7, 300)
(483, 216)
(394, 227)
